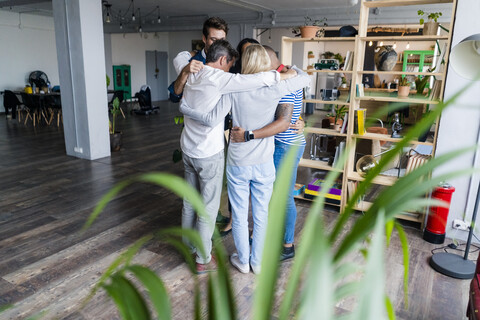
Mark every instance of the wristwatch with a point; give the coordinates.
(249, 136)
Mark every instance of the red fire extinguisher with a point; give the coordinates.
(437, 218)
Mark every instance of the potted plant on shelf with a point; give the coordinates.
(431, 26)
(336, 118)
(311, 28)
(310, 56)
(344, 83)
(115, 136)
(403, 88)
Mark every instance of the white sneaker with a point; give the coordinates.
(243, 268)
(256, 269)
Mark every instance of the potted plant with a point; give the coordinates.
(328, 55)
(336, 118)
(311, 28)
(115, 136)
(403, 88)
(431, 26)
(344, 83)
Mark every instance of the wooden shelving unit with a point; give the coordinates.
(372, 96)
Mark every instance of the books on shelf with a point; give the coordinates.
(339, 150)
(360, 90)
(315, 186)
(343, 129)
(435, 92)
(360, 116)
(348, 65)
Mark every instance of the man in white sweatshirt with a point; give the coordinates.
(202, 146)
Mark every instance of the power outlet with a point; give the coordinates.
(460, 225)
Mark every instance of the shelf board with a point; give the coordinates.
(323, 39)
(407, 73)
(396, 3)
(316, 164)
(326, 71)
(301, 197)
(329, 132)
(404, 38)
(365, 205)
(386, 137)
(382, 180)
(340, 102)
(396, 99)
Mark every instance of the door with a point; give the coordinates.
(156, 64)
(122, 80)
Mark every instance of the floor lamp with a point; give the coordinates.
(465, 60)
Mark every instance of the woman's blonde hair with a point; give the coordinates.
(255, 59)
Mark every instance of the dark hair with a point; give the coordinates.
(219, 49)
(237, 68)
(215, 23)
(243, 41)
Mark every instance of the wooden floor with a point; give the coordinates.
(46, 264)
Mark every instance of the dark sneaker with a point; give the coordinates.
(224, 233)
(208, 267)
(287, 253)
(222, 219)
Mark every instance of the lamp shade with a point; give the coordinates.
(465, 57)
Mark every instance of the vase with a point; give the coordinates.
(430, 28)
(403, 91)
(115, 141)
(385, 58)
(309, 31)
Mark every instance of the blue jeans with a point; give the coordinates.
(255, 182)
(281, 150)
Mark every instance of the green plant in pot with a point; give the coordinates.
(311, 28)
(336, 118)
(421, 82)
(403, 88)
(115, 136)
(431, 26)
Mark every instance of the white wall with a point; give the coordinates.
(459, 124)
(27, 44)
(130, 49)
(179, 41)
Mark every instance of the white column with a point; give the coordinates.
(81, 66)
(460, 123)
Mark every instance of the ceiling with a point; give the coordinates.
(181, 14)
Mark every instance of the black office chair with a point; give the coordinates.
(117, 94)
(10, 101)
(144, 97)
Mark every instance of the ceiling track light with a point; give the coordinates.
(394, 45)
(408, 45)
(370, 43)
(381, 43)
(133, 11)
(158, 15)
(107, 10)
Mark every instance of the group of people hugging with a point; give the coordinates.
(264, 99)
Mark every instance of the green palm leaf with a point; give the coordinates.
(156, 289)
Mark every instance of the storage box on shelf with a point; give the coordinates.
(371, 98)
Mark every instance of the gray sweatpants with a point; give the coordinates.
(205, 175)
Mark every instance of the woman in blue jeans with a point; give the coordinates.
(288, 126)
